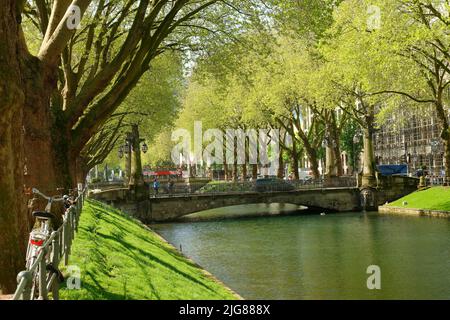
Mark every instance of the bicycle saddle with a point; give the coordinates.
(44, 215)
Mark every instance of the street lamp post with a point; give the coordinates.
(125, 151)
(133, 166)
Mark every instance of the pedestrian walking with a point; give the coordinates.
(156, 186)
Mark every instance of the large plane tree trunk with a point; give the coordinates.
(369, 167)
(336, 145)
(280, 172)
(295, 160)
(445, 136)
(46, 143)
(330, 162)
(254, 171)
(13, 213)
(34, 148)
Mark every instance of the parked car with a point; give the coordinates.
(272, 184)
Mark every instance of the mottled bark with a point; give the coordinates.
(445, 135)
(295, 160)
(48, 168)
(244, 172)
(335, 133)
(13, 213)
(314, 162)
(369, 167)
(81, 170)
(280, 173)
(254, 171)
(310, 151)
(235, 164)
(127, 173)
(137, 178)
(330, 162)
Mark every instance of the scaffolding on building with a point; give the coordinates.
(415, 142)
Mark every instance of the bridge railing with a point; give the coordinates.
(437, 181)
(239, 187)
(55, 249)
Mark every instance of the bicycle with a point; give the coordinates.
(46, 221)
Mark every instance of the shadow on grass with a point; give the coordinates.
(141, 253)
(117, 235)
(110, 219)
(94, 292)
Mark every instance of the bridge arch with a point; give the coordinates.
(172, 208)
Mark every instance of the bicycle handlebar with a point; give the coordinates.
(49, 199)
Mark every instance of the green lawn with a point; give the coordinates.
(437, 198)
(121, 259)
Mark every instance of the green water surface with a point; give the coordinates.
(320, 257)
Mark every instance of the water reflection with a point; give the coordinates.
(245, 211)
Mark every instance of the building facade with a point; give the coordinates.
(413, 139)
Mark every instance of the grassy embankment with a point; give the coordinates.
(437, 198)
(120, 258)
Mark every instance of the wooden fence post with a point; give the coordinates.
(42, 277)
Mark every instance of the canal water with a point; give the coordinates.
(318, 256)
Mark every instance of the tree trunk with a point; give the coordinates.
(226, 172)
(339, 164)
(81, 170)
(137, 184)
(254, 171)
(369, 168)
(333, 165)
(447, 159)
(330, 162)
(280, 172)
(445, 135)
(337, 151)
(225, 163)
(235, 164)
(36, 152)
(13, 212)
(295, 160)
(137, 178)
(48, 160)
(244, 166)
(312, 156)
(244, 172)
(314, 162)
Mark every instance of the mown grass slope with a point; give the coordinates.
(120, 258)
(437, 198)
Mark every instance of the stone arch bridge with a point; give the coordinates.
(169, 208)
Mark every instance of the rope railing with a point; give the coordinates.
(55, 249)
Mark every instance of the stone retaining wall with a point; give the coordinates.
(413, 212)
